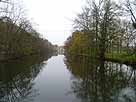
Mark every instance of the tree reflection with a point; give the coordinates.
(16, 79)
(99, 81)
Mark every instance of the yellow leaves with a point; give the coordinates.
(79, 43)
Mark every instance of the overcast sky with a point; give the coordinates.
(53, 17)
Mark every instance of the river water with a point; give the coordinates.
(66, 79)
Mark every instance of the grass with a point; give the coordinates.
(121, 57)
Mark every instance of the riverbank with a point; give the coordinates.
(119, 58)
(10, 59)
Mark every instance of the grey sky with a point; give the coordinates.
(53, 17)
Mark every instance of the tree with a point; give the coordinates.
(17, 35)
(100, 22)
(130, 8)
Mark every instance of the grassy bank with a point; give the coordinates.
(115, 57)
(121, 57)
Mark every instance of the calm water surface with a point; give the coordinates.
(53, 82)
(66, 79)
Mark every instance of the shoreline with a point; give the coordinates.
(126, 61)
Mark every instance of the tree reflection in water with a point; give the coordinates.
(99, 81)
(16, 79)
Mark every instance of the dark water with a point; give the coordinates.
(66, 79)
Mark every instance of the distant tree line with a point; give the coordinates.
(17, 35)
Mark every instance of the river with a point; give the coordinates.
(65, 79)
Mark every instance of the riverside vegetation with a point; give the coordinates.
(18, 38)
(101, 31)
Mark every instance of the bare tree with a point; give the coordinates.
(100, 20)
(130, 8)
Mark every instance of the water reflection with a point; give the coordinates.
(16, 79)
(99, 81)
